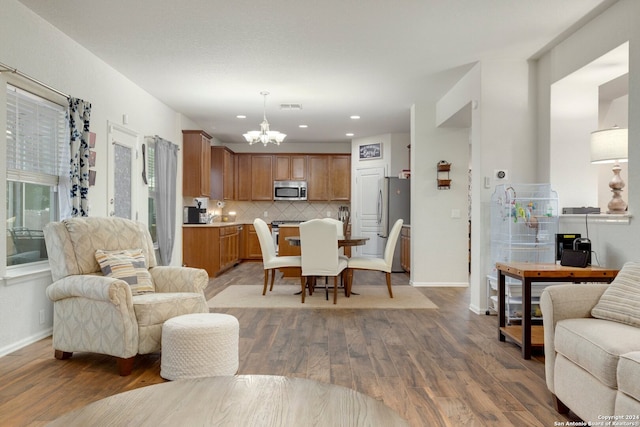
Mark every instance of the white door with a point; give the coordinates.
(122, 171)
(368, 181)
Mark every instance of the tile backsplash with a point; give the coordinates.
(280, 210)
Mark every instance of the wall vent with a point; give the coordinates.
(291, 106)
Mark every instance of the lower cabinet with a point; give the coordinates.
(405, 248)
(215, 249)
(285, 249)
(250, 245)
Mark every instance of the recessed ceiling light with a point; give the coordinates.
(354, 117)
(303, 126)
(349, 134)
(241, 116)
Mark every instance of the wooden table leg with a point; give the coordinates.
(501, 305)
(526, 318)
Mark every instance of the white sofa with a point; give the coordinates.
(592, 347)
(114, 309)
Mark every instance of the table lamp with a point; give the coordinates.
(610, 146)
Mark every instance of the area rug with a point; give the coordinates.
(283, 296)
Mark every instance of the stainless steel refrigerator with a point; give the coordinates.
(394, 202)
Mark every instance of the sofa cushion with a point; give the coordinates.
(596, 345)
(621, 301)
(629, 374)
(128, 265)
(152, 310)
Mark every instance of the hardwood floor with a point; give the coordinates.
(441, 367)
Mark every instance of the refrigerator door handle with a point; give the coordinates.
(379, 207)
(382, 221)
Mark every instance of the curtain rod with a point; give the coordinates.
(31, 79)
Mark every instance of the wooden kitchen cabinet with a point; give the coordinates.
(251, 249)
(214, 249)
(222, 173)
(261, 177)
(289, 167)
(405, 248)
(196, 158)
(285, 249)
(318, 178)
(340, 177)
(242, 177)
(329, 177)
(229, 247)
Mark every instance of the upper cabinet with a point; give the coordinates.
(340, 177)
(290, 167)
(222, 173)
(261, 177)
(196, 158)
(250, 176)
(329, 177)
(243, 177)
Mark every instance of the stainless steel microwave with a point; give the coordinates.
(290, 190)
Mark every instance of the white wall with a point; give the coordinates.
(39, 50)
(615, 242)
(501, 138)
(439, 243)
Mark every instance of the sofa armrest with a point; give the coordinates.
(94, 287)
(559, 302)
(179, 279)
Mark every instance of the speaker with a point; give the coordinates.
(564, 241)
(574, 258)
(583, 244)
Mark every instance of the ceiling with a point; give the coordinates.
(210, 59)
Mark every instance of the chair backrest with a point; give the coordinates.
(336, 223)
(391, 242)
(339, 225)
(319, 248)
(266, 241)
(72, 243)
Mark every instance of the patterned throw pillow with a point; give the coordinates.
(128, 265)
(621, 301)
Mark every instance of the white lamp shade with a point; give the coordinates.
(609, 145)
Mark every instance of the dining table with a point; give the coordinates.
(343, 242)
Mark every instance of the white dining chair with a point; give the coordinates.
(380, 264)
(270, 260)
(320, 256)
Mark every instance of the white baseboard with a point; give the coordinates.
(26, 341)
(440, 284)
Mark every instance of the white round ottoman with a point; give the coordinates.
(199, 345)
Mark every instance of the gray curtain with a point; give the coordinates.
(79, 116)
(166, 167)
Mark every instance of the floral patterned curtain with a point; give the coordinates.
(79, 115)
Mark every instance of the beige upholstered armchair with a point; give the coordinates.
(109, 294)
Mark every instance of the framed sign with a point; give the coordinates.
(370, 151)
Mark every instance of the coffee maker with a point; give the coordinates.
(195, 214)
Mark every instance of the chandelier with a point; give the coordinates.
(264, 135)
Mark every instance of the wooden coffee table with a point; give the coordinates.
(243, 400)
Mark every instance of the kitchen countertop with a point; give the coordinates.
(216, 224)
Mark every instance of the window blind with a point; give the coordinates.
(37, 138)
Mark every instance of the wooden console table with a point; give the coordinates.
(525, 335)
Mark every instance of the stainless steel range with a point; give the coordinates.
(275, 228)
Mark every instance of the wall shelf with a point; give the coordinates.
(442, 176)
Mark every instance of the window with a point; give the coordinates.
(151, 181)
(37, 148)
